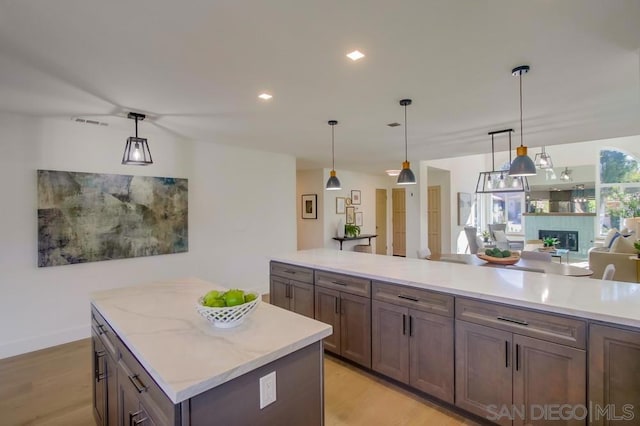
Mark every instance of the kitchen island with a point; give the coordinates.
(541, 340)
(157, 361)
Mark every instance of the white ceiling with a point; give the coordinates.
(197, 67)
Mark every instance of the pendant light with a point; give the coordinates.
(543, 160)
(500, 180)
(333, 184)
(136, 150)
(406, 176)
(522, 165)
(566, 175)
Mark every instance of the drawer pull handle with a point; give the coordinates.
(98, 376)
(513, 320)
(404, 296)
(506, 353)
(139, 422)
(101, 329)
(339, 283)
(289, 271)
(517, 357)
(140, 387)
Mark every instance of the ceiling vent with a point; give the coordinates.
(89, 121)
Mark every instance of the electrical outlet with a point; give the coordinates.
(267, 389)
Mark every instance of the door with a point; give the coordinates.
(431, 354)
(390, 340)
(301, 298)
(547, 373)
(381, 221)
(327, 311)
(614, 372)
(399, 222)
(434, 220)
(279, 292)
(355, 328)
(483, 370)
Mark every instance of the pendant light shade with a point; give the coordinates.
(543, 160)
(522, 165)
(136, 150)
(406, 176)
(333, 184)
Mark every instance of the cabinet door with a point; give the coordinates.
(355, 328)
(547, 373)
(431, 354)
(614, 375)
(279, 292)
(390, 340)
(129, 404)
(301, 298)
(327, 311)
(99, 381)
(483, 370)
(112, 390)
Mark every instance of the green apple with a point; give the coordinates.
(210, 297)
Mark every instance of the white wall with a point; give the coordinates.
(236, 220)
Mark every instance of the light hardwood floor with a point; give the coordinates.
(53, 387)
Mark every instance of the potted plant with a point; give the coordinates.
(637, 246)
(351, 230)
(485, 236)
(550, 241)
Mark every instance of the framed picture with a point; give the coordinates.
(351, 215)
(309, 208)
(359, 220)
(465, 202)
(340, 204)
(355, 197)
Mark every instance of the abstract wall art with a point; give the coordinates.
(90, 217)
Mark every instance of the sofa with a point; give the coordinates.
(618, 255)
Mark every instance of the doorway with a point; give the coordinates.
(399, 219)
(381, 221)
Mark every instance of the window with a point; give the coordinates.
(507, 208)
(619, 188)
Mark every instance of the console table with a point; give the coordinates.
(359, 237)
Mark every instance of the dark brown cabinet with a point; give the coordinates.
(411, 345)
(104, 366)
(344, 303)
(508, 377)
(291, 288)
(614, 375)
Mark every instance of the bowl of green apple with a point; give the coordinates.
(226, 309)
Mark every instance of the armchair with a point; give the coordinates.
(498, 234)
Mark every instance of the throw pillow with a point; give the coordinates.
(501, 237)
(609, 237)
(614, 238)
(623, 245)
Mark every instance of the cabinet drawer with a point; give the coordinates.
(415, 298)
(297, 273)
(104, 331)
(346, 283)
(156, 403)
(544, 326)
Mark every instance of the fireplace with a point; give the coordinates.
(568, 239)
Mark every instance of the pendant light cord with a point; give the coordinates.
(333, 155)
(136, 127)
(406, 155)
(521, 127)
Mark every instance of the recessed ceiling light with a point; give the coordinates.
(392, 172)
(265, 96)
(355, 55)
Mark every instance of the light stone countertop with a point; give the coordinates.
(610, 301)
(184, 353)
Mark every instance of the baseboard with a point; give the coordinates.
(34, 343)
